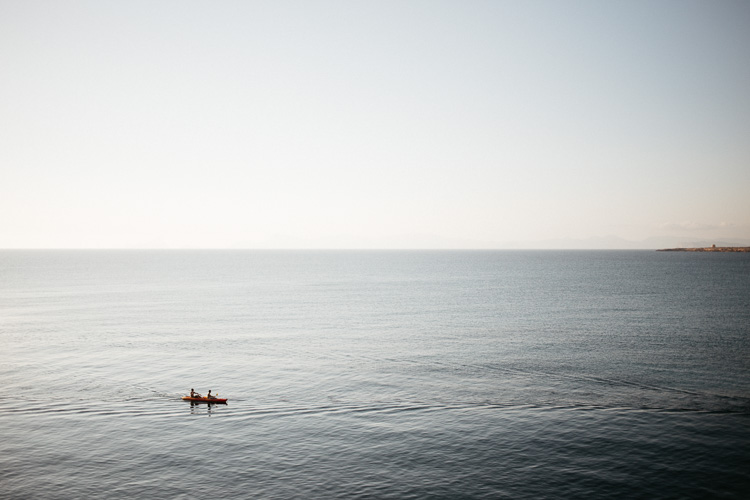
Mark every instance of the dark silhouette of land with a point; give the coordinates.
(712, 248)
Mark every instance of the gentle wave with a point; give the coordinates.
(366, 374)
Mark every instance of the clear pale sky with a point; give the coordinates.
(380, 124)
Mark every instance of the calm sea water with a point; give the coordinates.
(518, 374)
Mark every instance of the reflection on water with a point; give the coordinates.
(204, 408)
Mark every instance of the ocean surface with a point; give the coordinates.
(383, 374)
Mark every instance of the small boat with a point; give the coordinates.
(210, 400)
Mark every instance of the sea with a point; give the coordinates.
(374, 374)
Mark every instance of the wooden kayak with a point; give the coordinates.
(205, 400)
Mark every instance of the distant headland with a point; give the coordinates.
(712, 248)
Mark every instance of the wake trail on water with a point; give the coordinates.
(654, 393)
(245, 408)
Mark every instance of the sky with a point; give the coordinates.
(380, 124)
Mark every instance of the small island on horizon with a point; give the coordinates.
(712, 248)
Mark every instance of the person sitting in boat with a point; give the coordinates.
(194, 394)
(209, 396)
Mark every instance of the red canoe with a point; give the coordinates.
(205, 400)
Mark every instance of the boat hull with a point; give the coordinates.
(205, 400)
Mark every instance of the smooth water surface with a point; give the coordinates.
(514, 374)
